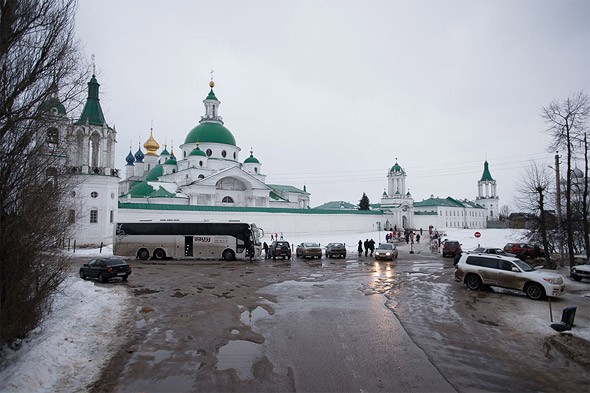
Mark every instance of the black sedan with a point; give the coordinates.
(103, 269)
(336, 250)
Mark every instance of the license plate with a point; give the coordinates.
(121, 274)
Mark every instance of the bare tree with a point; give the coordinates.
(566, 124)
(37, 53)
(534, 187)
(504, 212)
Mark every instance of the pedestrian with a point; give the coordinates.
(420, 231)
(265, 247)
(276, 236)
(251, 251)
(372, 246)
(418, 238)
(360, 248)
(366, 244)
(387, 237)
(272, 237)
(281, 235)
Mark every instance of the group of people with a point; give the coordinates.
(368, 245)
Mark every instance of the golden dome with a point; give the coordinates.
(211, 84)
(151, 145)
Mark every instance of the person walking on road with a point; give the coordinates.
(372, 246)
(366, 244)
(360, 248)
(265, 247)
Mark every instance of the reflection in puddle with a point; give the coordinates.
(253, 314)
(239, 355)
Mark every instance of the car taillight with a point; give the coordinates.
(129, 267)
(109, 269)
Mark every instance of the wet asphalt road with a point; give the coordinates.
(351, 325)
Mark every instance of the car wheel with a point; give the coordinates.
(575, 277)
(473, 282)
(228, 255)
(274, 257)
(143, 254)
(159, 254)
(101, 278)
(534, 291)
(125, 278)
(83, 276)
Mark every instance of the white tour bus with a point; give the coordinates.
(186, 240)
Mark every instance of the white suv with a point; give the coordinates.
(581, 271)
(478, 270)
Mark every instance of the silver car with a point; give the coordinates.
(386, 251)
(478, 270)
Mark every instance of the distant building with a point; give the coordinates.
(487, 194)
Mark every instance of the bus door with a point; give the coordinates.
(188, 246)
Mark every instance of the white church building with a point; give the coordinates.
(207, 180)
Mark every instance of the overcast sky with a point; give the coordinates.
(330, 93)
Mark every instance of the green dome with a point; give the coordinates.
(155, 173)
(251, 160)
(53, 103)
(170, 161)
(198, 152)
(210, 133)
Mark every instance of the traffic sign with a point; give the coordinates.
(477, 234)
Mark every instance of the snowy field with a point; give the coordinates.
(67, 352)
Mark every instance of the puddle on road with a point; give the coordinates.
(159, 355)
(253, 314)
(239, 355)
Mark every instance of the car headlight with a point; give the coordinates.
(553, 280)
(574, 269)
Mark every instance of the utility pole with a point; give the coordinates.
(558, 196)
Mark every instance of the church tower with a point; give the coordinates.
(91, 157)
(487, 193)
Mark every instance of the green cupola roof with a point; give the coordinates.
(486, 172)
(53, 105)
(251, 159)
(396, 168)
(92, 112)
(198, 152)
(211, 95)
(141, 190)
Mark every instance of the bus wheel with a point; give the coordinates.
(143, 254)
(228, 255)
(159, 254)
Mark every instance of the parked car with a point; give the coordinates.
(104, 269)
(451, 248)
(280, 249)
(335, 250)
(579, 272)
(479, 270)
(308, 250)
(386, 251)
(490, 250)
(524, 250)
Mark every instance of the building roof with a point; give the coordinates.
(337, 205)
(447, 202)
(251, 160)
(284, 188)
(486, 173)
(92, 112)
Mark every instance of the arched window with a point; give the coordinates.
(255, 170)
(201, 163)
(53, 136)
(227, 199)
(201, 176)
(223, 153)
(51, 174)
(209, 152)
